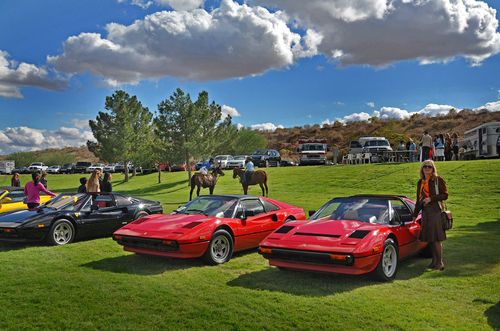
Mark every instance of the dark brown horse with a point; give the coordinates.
(200, 180)
(258, 177)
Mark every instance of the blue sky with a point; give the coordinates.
(313, 87)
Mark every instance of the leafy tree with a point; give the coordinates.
(123, 133)
(247, 141)
(190, 129)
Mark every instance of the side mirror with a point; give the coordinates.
(243, 216)
(312, 212)
(94, 207)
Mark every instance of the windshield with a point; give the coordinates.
(36, 164)
(314, 147)
(67, 202)
(239, 157)
(260, 152)
(377, 143)
(210, 206)
(364, 209)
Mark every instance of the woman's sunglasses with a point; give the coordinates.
(428, 167)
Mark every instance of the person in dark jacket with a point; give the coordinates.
(431, 191)
(106, 183)
(83, 185)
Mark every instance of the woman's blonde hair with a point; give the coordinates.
(93, 182)
(434, 169)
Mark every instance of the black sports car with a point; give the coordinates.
(74, 216)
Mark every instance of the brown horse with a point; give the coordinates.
(258, 177)
(200, 180)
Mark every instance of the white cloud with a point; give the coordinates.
(370, 104)
(231, 41)
(433, 109)
(28, 139)
(80, 124)
(239, 126)
(490, 106)
(228, 110)
(380, 32)
(174, 4)
(15, 75)
(391, 113)
(355, 117)
(266, 127)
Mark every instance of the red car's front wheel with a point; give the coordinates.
(388, 265)
(220, 248)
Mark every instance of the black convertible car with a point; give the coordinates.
(74, 216)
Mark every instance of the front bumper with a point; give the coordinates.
(321, 261)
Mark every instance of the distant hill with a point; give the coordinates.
(52, 156)
(338, 134)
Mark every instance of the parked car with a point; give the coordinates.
(55, 169)
(211, 226)
(21, 170)
(351, 235)
(37, 166)
(81, 167)
(222, 160)
(75, 216)
(266, 158)
(178, 167)
(238, 161)
(12, 198)
(95, 166)
(110, 168)
(200, 164)
(67, 168)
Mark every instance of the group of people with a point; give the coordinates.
(442, 147)
(97, 182)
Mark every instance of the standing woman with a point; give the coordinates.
(32, 191)
(43, 180)
(106, 183)
(428, 202)
(15, 181)
(93, 185)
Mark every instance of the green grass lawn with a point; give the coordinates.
(95, 285)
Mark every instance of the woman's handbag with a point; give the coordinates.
(446, 215)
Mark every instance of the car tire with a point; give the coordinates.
(61, 233)
(426, 252)
(140, 214)
(220, 248)
(388, 265)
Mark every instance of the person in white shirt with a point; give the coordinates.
(249, 169)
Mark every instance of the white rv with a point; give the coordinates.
(6, 167)
(483, 141)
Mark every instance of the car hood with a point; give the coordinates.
(166, 223)
(322, 235)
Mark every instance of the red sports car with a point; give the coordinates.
(210, 226)
(350, 235)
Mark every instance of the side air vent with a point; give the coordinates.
(359, 234)
(284, 229)
(317, 234)
(191, 225)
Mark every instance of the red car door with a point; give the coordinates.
(255, 223)
(406, 230)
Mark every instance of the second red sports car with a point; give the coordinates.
(350, 235)
(211, 226)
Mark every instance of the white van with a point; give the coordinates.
(372, 145)
(483, 141)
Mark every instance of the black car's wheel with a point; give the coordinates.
(220, 248)
(426, 252)
(140, 214)
(388, 265)
(62, 232)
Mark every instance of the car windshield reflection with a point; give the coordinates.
(218, 206)
(65, 201)
(363, 209)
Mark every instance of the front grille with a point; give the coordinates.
(307, 257)
(147, 243)
(316, 234)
